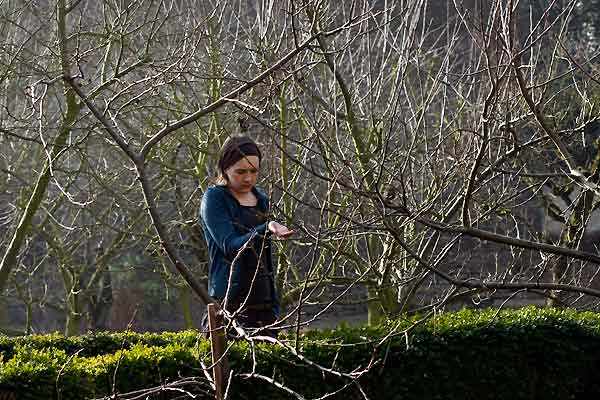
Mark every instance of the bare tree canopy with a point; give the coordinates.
(428, 153)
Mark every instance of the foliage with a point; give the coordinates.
(526, 354)
(96, 343)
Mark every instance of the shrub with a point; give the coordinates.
(526, 354)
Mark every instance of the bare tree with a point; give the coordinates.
(421, 150)
(429, 153)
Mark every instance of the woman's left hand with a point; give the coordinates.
(279, 230)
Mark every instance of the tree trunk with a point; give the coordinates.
(559, 269)
(100, 304)
(186, 309)
(10, 259)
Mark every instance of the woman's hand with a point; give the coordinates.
(281, 231)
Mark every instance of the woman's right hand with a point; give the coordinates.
(279, 230)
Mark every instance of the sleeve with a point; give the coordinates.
(219, 224)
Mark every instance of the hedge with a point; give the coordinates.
(525, 354)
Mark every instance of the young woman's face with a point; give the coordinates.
(242, 176)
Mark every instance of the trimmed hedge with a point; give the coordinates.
(94, 344)
(526, 354)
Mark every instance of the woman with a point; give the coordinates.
(234, 216)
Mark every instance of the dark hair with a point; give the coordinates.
(234, 149)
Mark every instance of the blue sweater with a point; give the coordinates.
(218, 212)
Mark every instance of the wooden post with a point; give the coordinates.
(218, 341)
(7, 395)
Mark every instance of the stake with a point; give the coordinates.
(218, 343)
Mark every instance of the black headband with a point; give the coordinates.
(236, 148)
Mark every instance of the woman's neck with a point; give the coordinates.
(245, 198)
